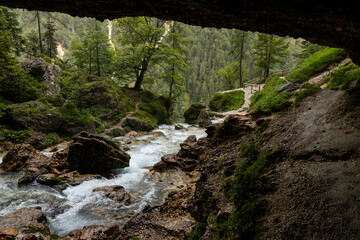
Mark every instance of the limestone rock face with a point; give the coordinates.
(48, 74)
(95, 155)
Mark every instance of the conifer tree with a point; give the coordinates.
(269, 50)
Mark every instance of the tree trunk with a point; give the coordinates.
(90, 63)
(140, 77)
(98, 60)
(241, 58)
(39, 30)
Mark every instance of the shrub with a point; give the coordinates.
(73, 117)
(15, 136)
(228, 101)
(343, 76)
(316, 63)
(52, 139)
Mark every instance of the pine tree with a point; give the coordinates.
(49, 37)
(269, 50)
(238, 42)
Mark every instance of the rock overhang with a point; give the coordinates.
(331, 23)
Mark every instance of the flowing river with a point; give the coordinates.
(77, 206)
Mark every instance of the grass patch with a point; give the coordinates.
(224, 102)
(343, 76)
(316, 63)
(268, 100)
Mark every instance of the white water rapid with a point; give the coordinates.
(77, 206)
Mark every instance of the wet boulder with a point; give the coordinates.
(24, 157)
(171, 161)
(190, 148)
(35, 115)
(9, 233)
(95, 155)
(23, 221)
(94, 232)
(37, 140)
(178, 127)
(116, 193)
(192, 113)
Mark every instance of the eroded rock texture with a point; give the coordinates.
(333, 23)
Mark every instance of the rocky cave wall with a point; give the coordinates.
(331, 23)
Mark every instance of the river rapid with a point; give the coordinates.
(77, 206)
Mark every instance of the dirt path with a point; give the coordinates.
(249, 91)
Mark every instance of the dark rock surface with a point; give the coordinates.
(96, 155)
(49, 74)
(332, 23)
(290, 87)
(192, 113)
(137, 125)
(204, 119)
(33, 115)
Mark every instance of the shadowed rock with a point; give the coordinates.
(96, 155)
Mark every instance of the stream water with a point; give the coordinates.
(77, 206)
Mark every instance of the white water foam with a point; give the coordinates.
(78, 206)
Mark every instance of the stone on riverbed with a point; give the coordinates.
(116, 193)
(95, 155)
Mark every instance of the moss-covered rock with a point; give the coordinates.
(136, 124)
(35, 115)
(192, 113)
(227, 101)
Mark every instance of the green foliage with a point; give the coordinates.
(52, 139)
(269, 50)
(197, 232)
(352, 97)
(49, 37)
(73, 117)
(343, 76)
(316, 63)
(229, 76)
(249, 207)
(16, 136)
(268, 100)
(228, 101)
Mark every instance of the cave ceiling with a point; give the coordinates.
(331, 23)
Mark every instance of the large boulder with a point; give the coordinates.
(22, 222)
(95, 155)
(192, 113)
(23, 157)
(49, 74)
(290, 87)
(33, 115)
(137, 125)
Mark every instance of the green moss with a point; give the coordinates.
(343, 76)
(73, 117)
(145, 116)
(307, 90)
(316, 63)
(197, 232)
(192, 113)
(228, 101)
(246, 196)
(268, 100)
